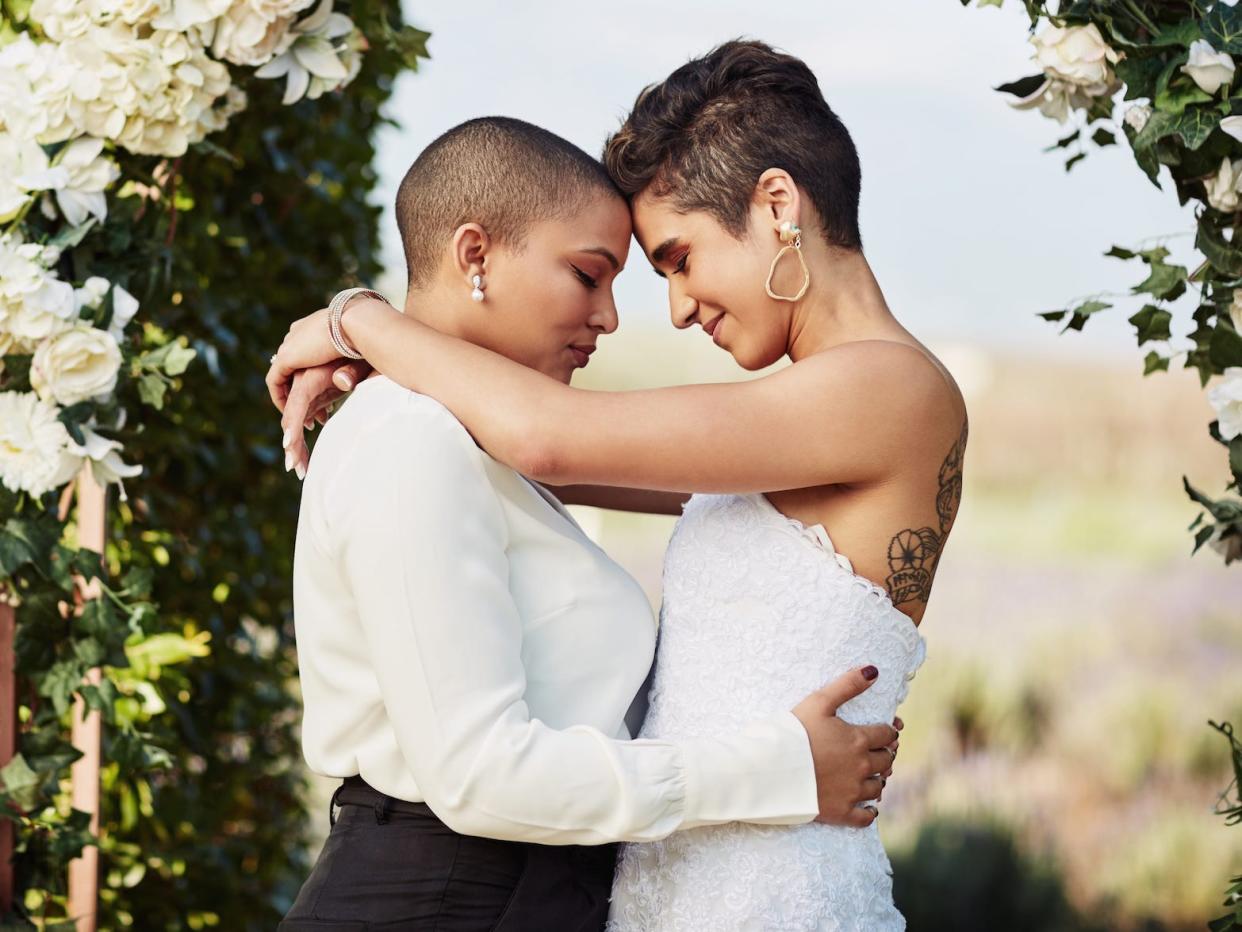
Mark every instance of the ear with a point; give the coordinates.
(777, 197)
(470, 249)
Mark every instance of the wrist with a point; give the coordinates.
(336, 309)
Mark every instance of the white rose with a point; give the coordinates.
(1226, 398)
(1233, 126)
(34, 445)
(1223, 187)
(1235, 310)
(1077, 55)
(1137, 117)
(252, 32)
(1207, 67)
(73, 366)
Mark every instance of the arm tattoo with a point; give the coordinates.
(913, 554)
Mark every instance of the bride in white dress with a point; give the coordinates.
(744, 190)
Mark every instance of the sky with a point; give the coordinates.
(970, 228)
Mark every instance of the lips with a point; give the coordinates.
(581, 354)
(710, 327)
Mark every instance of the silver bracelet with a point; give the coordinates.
(336, 308)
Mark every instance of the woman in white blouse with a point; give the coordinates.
(467, 654)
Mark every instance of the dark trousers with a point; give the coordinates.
(391, 864)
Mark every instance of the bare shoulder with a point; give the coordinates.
(891, 380)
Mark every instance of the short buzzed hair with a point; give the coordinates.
(704, 135)
(501, 173)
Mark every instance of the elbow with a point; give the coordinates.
(536, 457)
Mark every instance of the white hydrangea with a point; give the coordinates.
(34, 91)
(314, 63)
(34, 445)
(34, 303)
(151, 93)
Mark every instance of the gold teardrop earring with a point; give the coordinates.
(791, 235)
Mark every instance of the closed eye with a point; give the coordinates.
(584, 277)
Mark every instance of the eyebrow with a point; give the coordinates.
(606, 253)
(660, 253)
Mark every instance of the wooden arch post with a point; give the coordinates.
(87, 734)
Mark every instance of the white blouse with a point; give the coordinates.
(463, 643)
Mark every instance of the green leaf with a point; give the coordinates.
(1024, 87)
(1165, 281)
(1102, 137)
(1151, 323)
(1183, 33)
(1177, 98)
(1053, 315)
(69, 237)
(1225, 258)
(1074, 160)
(1222, 27)
(1080, 314)
(1139, 75)
(20, 782)
(1117, 252)
(1235, 459)
(60, 682)
(1195, 125)
(1065, 141)
(151, 389)
(178, 359)
(26, 540)
(1154, 362)
(1226, 348)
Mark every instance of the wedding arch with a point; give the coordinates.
(1161, 74)
(178, 180)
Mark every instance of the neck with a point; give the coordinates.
(844, 303)
(441, 307)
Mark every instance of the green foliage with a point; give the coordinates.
(202, 822)
(975, 875)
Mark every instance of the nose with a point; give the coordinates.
(682, 308)
(604, 316)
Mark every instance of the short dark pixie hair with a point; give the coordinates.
(704, 135)
(501, 173)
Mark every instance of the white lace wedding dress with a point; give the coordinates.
(760, 610)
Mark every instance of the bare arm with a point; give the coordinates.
(641, 501)
(796, 428)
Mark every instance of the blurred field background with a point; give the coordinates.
(1057, 770)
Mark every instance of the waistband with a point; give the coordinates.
(355, 791)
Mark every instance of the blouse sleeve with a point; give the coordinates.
(421, 536)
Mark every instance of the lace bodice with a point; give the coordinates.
(758, 611)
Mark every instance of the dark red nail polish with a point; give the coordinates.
(870, 673)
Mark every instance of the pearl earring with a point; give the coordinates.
(477, 295)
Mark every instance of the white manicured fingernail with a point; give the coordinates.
(288, 437)
(346, 382)
(288, 460)
(301, 471)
